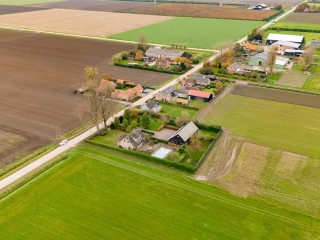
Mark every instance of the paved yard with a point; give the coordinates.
(164, 134)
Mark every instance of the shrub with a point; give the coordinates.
(206, 70)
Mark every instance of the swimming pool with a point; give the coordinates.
(161, 152)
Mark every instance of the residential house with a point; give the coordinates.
(188, 82)
(158, 52)
(151, 105)
(105, 84)
(127, 95)
(182, 93)
(132, 141)
(273, 37)
(282, 46)
(162, 63)
(138, 90)
(195, 94)
(183, 135)
(200, 79)
(166, 94)
(120, 81)
(236, 68)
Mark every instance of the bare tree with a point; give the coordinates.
(93, 100)
(107, 105)
(307, 58)
(183, 119)
(272, 55)
(142, 43)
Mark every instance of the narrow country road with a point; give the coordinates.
(72, 143)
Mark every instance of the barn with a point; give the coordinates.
(273, 37)
(196, 94)
(183, 135)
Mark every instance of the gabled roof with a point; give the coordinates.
(186, 132)
(285, 37)
(151, 104)
(166, 53)
(137, 89)
(250, 46)
(167, 91)
(289, 44)
(197, 93)
(262, 56)
(136, 137)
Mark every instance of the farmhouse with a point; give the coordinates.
(250, 47)
(151, 105)
(158, 52)
(183, 135)
(133, 141)
(105, 84)
(127, 95)
(282, 46)
(195, 94)
(236, 68)
(200, 79)
(165, 94)
(162, 63)
(273, 37)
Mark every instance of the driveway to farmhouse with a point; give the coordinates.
(72, 143)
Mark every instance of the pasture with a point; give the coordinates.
(293, 79)
(279, 125)
(38, 99)
(78, 22)
(96, 194)
(201, 11)
(189, 30)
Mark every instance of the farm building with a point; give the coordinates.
(105, 84)
(259, 59)
(282, 46)
(183, 135)
(315, 44)
(195, 94)
(273, 37)
(127, 95)
(165, 94)
(281, 62)
(133, 141)
(158, 52)
(151, 105)
(293, 53)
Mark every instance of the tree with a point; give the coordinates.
(125, 123)
(195, 144)
(272, 55)
(139, 55)
(219, 85)
(307, 58)
(183, 119)
(145, 120)
(127, 115)
(301, 7)
(237, 50)
(142, 43)
(116, 122)
(93, 100)
(278, 7)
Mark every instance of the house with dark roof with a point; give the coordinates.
(132, 141)
(158, 52)
(183, 135)
(166, 94)
(203, 80)
(196, 94)
(151, 105)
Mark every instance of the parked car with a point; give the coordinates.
(63, 142)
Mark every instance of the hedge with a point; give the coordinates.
(171, 127)
(274, 15)
(176, 105)
(293, 29)
(172, 1)
(207, 127)
(148, 68)
(179, 166)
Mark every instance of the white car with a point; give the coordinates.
(63, 142)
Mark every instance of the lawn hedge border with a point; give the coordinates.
(179, 166)
(274, 15)
(293, 29)
(179, 105)
(148, 68)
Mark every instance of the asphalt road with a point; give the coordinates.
(72, 143)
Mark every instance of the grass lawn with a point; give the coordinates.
(194, 32)
(25, 2)
(176, 111)
(96, 194)
(279, 125)
(318, 52)
(312, 83)
(293, 78)
(111, 138)
(154, 124)
(308, 35)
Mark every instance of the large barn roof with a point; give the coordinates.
(285, 37)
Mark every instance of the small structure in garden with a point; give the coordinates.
(151, 105)
(196, 94)
(183, 135)
(132, 141)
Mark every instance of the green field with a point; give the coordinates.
(294, 25)
(308, 35)
(193, 32)
(279, 125)
(101, 195)
(25, 2)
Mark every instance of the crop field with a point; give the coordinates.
(287, 3)
(308, 21)
(202, 10)
(5, 9)
(181, 30)
(38, 98)
(93, 5)
(293, 79)
(308, 35)
(278, 125)
(80, 199)
(25, 2)
(273, 176)
(78, 22)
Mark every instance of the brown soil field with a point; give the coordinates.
(39, 72)
(5, 9)
(311, 18)
(287, 3)
(93, 5)
(201, 10)
(78, 22)
(277, 95)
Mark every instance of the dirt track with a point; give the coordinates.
(278, 95)
(39, 72)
